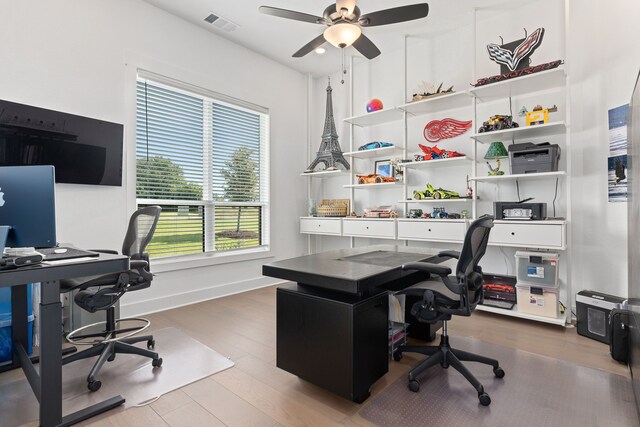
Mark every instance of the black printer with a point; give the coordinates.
(528, 157)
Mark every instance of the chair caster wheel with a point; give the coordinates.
(157, 362)
(397, 356)
(111, 358)
(414, 386)
(498, 372)
(94, 385)
(151, 344)
(484, 398)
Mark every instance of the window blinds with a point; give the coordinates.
(206, 163)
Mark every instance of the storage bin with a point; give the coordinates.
(540, 301)
(6, 344)
(537, 269)
(5, 301)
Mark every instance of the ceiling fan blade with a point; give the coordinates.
(312, 45)
(290, 14)
(394, 15)
(366, 47)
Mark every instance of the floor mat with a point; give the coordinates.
(185, 360)
(536, 391)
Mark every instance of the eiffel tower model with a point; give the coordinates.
(329, 153)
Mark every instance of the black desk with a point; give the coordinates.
(47, 385)
(332, 327)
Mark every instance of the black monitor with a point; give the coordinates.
(27, 205)
(83, 150)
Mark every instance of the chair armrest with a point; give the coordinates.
(438, 269)
(449, 254)
(136, 264)
(104, 251)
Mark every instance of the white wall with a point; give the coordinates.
(602, 62)
(81, 57)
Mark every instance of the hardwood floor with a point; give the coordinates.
(256, 393)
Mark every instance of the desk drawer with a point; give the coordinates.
(440, 231)
(533, 234)
(375, 228)
(331, 226)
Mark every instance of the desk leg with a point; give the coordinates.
(50, 354)
(19, 321)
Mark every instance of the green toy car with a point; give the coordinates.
(435, 193)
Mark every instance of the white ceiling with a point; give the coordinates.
(279, 38)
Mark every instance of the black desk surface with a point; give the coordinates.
(357, 271)
(104, 264)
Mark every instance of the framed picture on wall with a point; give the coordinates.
(384, 168)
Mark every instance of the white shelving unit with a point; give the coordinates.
(375, 153)
(541, 235)
(437, 163)
(537, 131)
(508, 177)
(437, 104)
(545, 80)
(379, 117)
(373, 186)
(560, 321)
(437, 201)
(326, 174)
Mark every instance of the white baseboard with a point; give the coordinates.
(167, 302)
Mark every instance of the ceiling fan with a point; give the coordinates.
(344, 22)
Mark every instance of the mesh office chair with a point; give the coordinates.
(102, 292)
(459, 297)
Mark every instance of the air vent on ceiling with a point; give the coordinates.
(221, 23)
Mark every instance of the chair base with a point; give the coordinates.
(446, 356)
(107, 349)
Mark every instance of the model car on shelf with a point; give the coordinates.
(373, 179)
(435, 193)
(499, 287)
(435, 153)
(375, 144)
(498, 122)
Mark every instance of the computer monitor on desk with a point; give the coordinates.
(27, 205)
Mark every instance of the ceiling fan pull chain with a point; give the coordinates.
(344, 70)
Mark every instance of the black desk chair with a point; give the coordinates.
(102, 292)
(459, 296)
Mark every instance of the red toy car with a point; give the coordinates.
(434, 153)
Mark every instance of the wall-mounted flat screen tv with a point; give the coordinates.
(82, 150)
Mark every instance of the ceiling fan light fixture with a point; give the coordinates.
(342, 34)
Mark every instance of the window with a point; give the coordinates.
(204, 160)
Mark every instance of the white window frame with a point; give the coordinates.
(210, 256)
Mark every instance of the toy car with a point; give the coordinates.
(435, 193)
(434, 153)
(441, 193)
(375, 144)
(498, 122)
(373, 179)
(498, 287)
(439, 213)
(419, 195)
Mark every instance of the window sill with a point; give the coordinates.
(184, 262)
